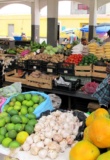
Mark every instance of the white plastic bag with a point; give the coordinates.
(77, 49)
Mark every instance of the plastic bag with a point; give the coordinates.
(77, 49)
(44, 106)
(90, 87)
(11, 89)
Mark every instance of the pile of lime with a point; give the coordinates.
(17, 120)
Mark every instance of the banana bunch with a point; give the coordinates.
(92, 47)
(107, 50)
(19, 49)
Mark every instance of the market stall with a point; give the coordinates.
(42, 128)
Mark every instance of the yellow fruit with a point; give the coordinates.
(99, 132)
(100, 112)
(84, 150)
(21, 137)
(104, 156)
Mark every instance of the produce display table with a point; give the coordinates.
(71, 95)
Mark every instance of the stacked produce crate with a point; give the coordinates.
(107, 50)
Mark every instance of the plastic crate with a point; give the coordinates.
(34, 64)
(22, 64)
(17, 38)
(49, 67)
(65, 68)
(73, 86)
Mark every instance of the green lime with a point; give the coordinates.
(19, 127)
(2, 122)
(35, 106)
(9, 109)
(7, 119)
(20, 97)
(23, 106)
(35, 98)
(13, 112)
(16, 119)
(12, 134)
(13, 99)
(1, 138)
(3, 115)
(29, 129)
(6, 135)
(32, 122)
(24, 102)
(10, 126)
(30, 110)
(5, 107)
(18, 103)
(27, 96)
(31, 116)
(6, 142)
(30, 103)
(23, 111)
(17, 107)
(41, 99)
(3, 130)
(14, 144)
(24, 119)
(11, 104)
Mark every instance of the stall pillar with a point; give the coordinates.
(92, 18)
(52, 22)
(35, 20)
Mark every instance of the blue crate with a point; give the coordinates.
(17, 38)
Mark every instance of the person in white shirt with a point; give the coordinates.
(73, 37)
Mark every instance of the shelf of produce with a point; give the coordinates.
(71, 95)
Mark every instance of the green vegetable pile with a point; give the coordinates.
(35, 46)
(52, 50)
(88, 59)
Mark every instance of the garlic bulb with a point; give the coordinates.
(54, 146)
(42, 153)
(33, 144)
(52, 154)
(48, 134)
(64, 134)
(34, 150)
(58, 138)
(40, 144)
(47, 141)
(29, 140)
(37, 128)
(36, 138)
(63, 145)
(26, 147)
(70, 140)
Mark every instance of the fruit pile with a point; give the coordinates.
(17, 120)
(96, 138)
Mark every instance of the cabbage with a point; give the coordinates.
(55, 49)
(59, 47)
(45, 51)
(52, 53)
(49, 48)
